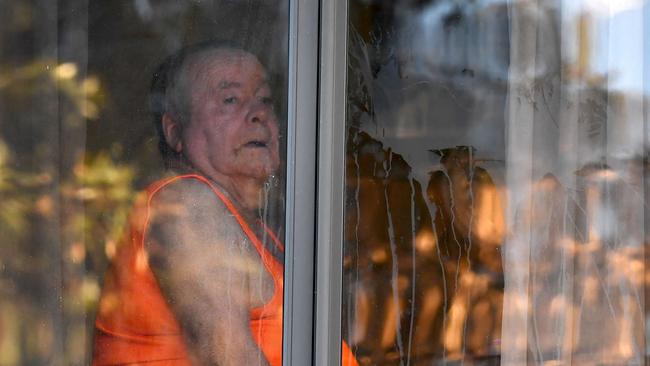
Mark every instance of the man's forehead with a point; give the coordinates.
(231, 83)
(228, 66)
(228, 71)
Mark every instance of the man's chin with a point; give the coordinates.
(262, 173)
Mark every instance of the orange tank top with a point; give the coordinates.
(134, 324)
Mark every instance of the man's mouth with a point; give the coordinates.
(256, 144)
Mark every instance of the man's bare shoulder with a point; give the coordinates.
(188, 191)
(191, 208)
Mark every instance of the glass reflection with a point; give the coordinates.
(495, 202)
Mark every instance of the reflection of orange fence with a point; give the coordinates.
(420, 287)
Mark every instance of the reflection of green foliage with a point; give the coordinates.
(93, 204)
(62, 204)
(14, 206)
(105, 189)
(74, 209)
(102, 175)
(26, 80)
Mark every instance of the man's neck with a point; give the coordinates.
(245, 192)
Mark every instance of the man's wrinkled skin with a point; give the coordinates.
(208, 270)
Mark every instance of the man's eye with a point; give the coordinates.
(230, 100)
(267, 101)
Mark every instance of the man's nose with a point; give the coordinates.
(259, 112)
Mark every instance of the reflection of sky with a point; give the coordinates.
(625, 56)
(618, 42)
(646, 46)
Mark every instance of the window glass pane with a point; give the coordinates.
(495, 182)
(110, 253)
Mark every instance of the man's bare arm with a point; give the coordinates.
(204, 264)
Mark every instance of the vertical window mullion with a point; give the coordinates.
(331, 170)
(301, 183)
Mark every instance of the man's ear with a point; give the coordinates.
(173, 132)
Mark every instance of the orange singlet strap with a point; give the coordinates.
(275, 239)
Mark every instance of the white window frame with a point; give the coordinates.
(315, 182)
(301, 137)
(331, 182)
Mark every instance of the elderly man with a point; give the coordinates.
(198, 278)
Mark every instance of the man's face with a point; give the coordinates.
(233, 130)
